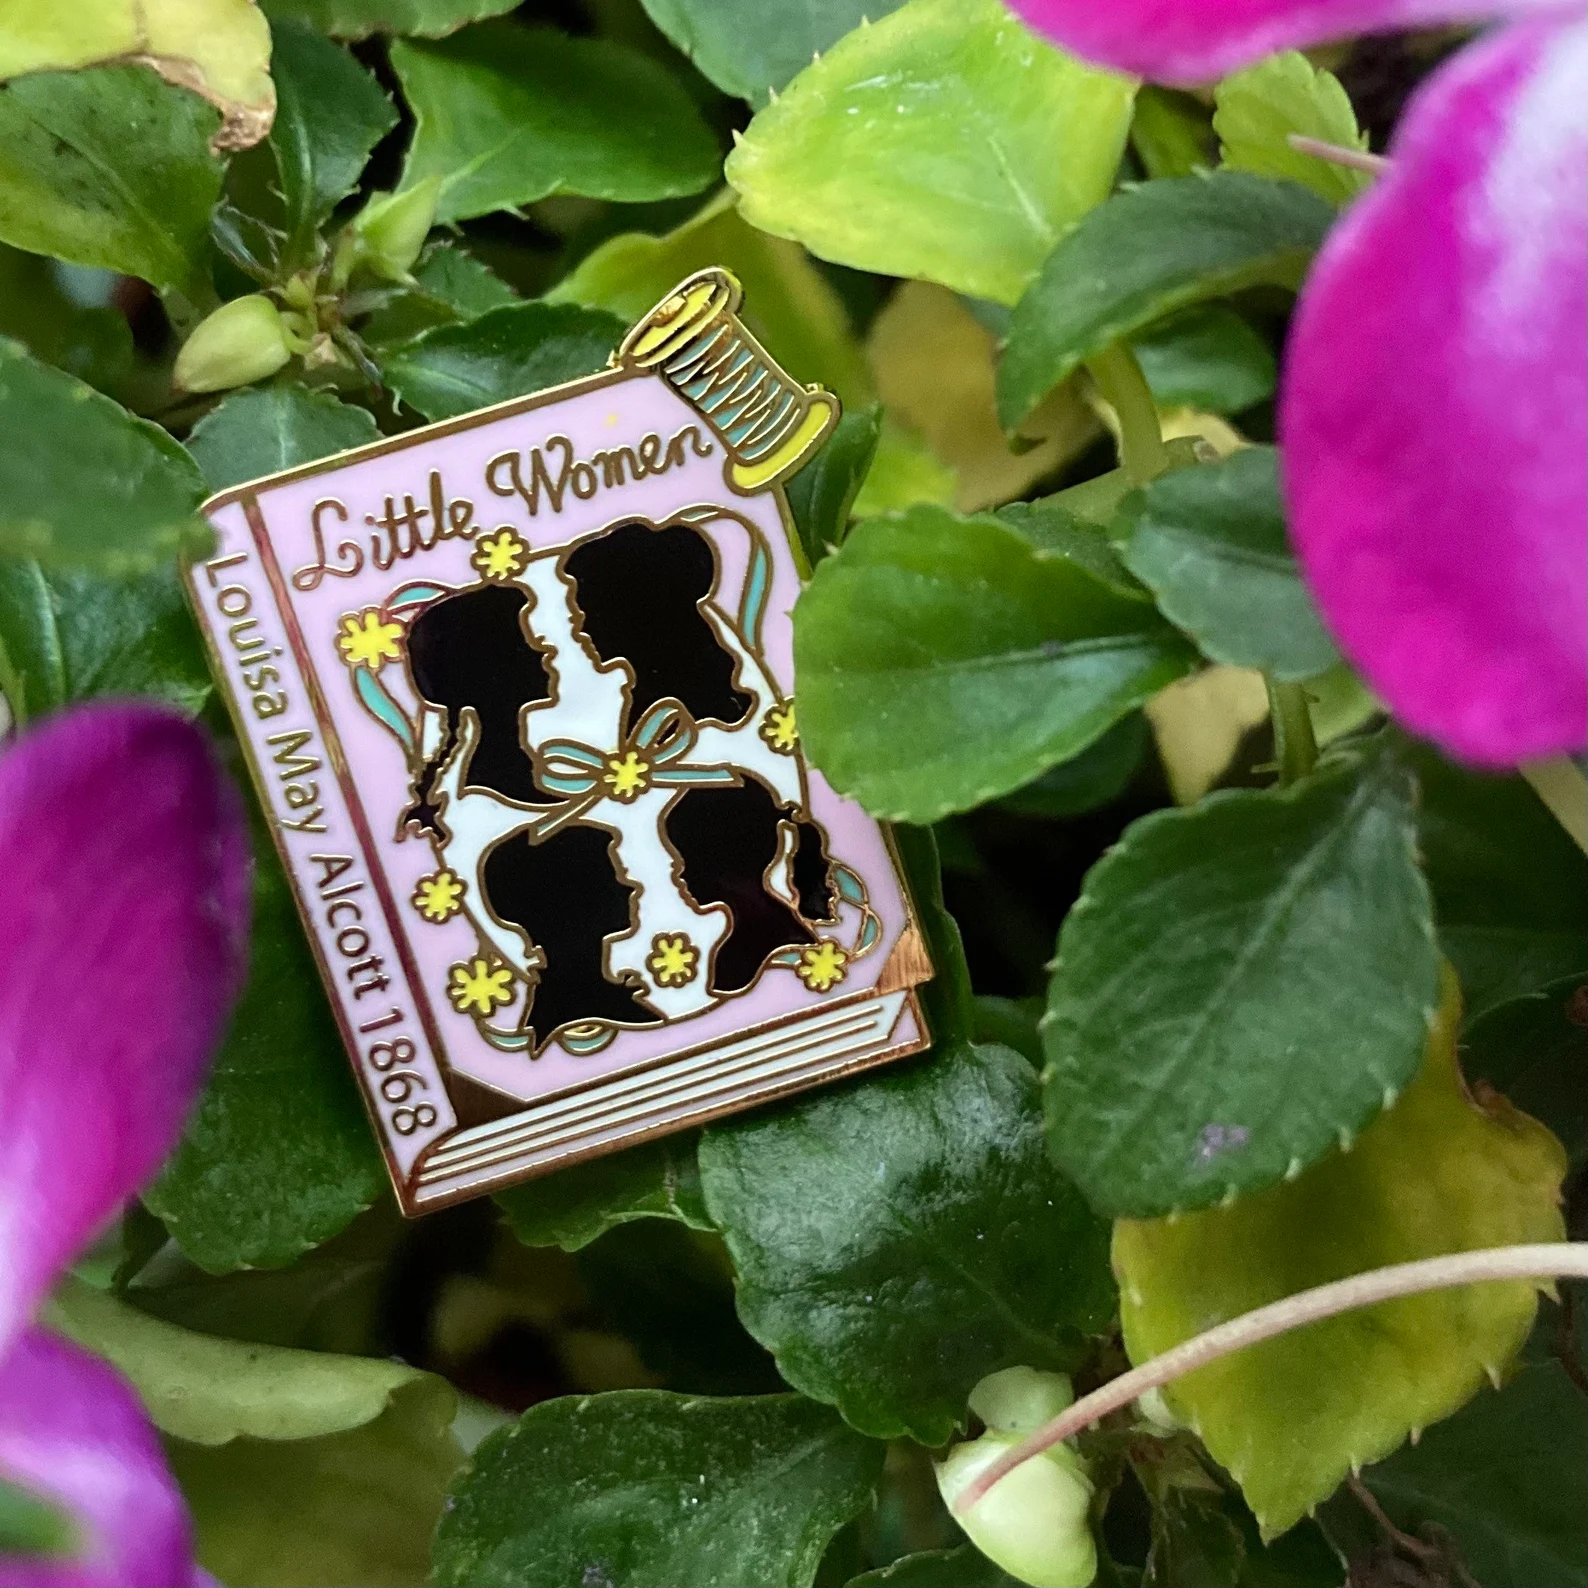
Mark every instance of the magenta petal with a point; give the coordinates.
(1195, 41)
(1435, 405)
(73, 1433)
(122, 943)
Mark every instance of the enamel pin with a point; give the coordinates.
(517, 691)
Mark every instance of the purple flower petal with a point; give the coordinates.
(124, 862)
(72, 1432)
(1195, 41)
(1435, 404)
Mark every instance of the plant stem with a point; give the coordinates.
(1295, 748)
(1338, 154)
(1559, 1258)
(1124, 387)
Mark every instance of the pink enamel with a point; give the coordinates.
(122, 945)
(1435, 403)
(73, 1433)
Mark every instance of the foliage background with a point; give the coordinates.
(1038, 648)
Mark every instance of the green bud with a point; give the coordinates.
(391, 229)
(1034, 1522)
(243, 341)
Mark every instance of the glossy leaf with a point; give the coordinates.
(92, 342)
(1207, 358)
(1504, 1477)
(1239, 987)
(650, 1490)
(1053, 530)
(1149, 251)
(941, 1247)
(947, 998)
(357, 19)
(1095, 777)
(277, 1156)
(110, 167)
(68, 636)
(822, 495)
(1257, 109)
(263, 431)
(657, 1180)
(120, 499)
(865, 158)
(1435, 1173)
(330, 116)
(508, 115)
(789, 305)
(905, 473)
(219, 49)
(965, 1567)
(942, 662)
(511, 351)
(449, 285)
(746, 48)
(1210, 544)
(1510, 888)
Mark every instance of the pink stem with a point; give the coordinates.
(1338, 154)
(1557, 1258)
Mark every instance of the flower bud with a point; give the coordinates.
(242, 341)
(1033, 1522)
(391, 229)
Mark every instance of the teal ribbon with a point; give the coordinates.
(664, 738)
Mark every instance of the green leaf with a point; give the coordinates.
(1088, 781)
(905, 472)
(277, 1156)
(1149, 251)
(943, 661)
(1240, 986)
(822, 495)
(209, 1391)
(120, 499)
(1170, 132)
(645, 1489)
(450, 284)
(298, 1466)
(965, 1567)
(1053, 529)
(1533, 1050)
(1258, 108)
(1435, 1173)
(945, 143)
(1012, 1022)
(509, 115)
(520, 348)
(658, 1180)
(357, 1509)
(264, 430)
(357, 19)
(947, 998)
(746, 48)
(94, 343)
(110, 167)
(789, 305)
(1505, 1478)
(1510, 888)
(1206, 357)
(1210, 543)
(30, 1525)
(330, 114)
(943, 1245)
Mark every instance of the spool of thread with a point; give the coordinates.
(767, 423)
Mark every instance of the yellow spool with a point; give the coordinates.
(693, 339)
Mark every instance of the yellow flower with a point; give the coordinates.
(628, 776)
(500, 556)
(438, 896)
(779, 728)
(674, 960)
(368, 641)
(481, 985)
(821, 965)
